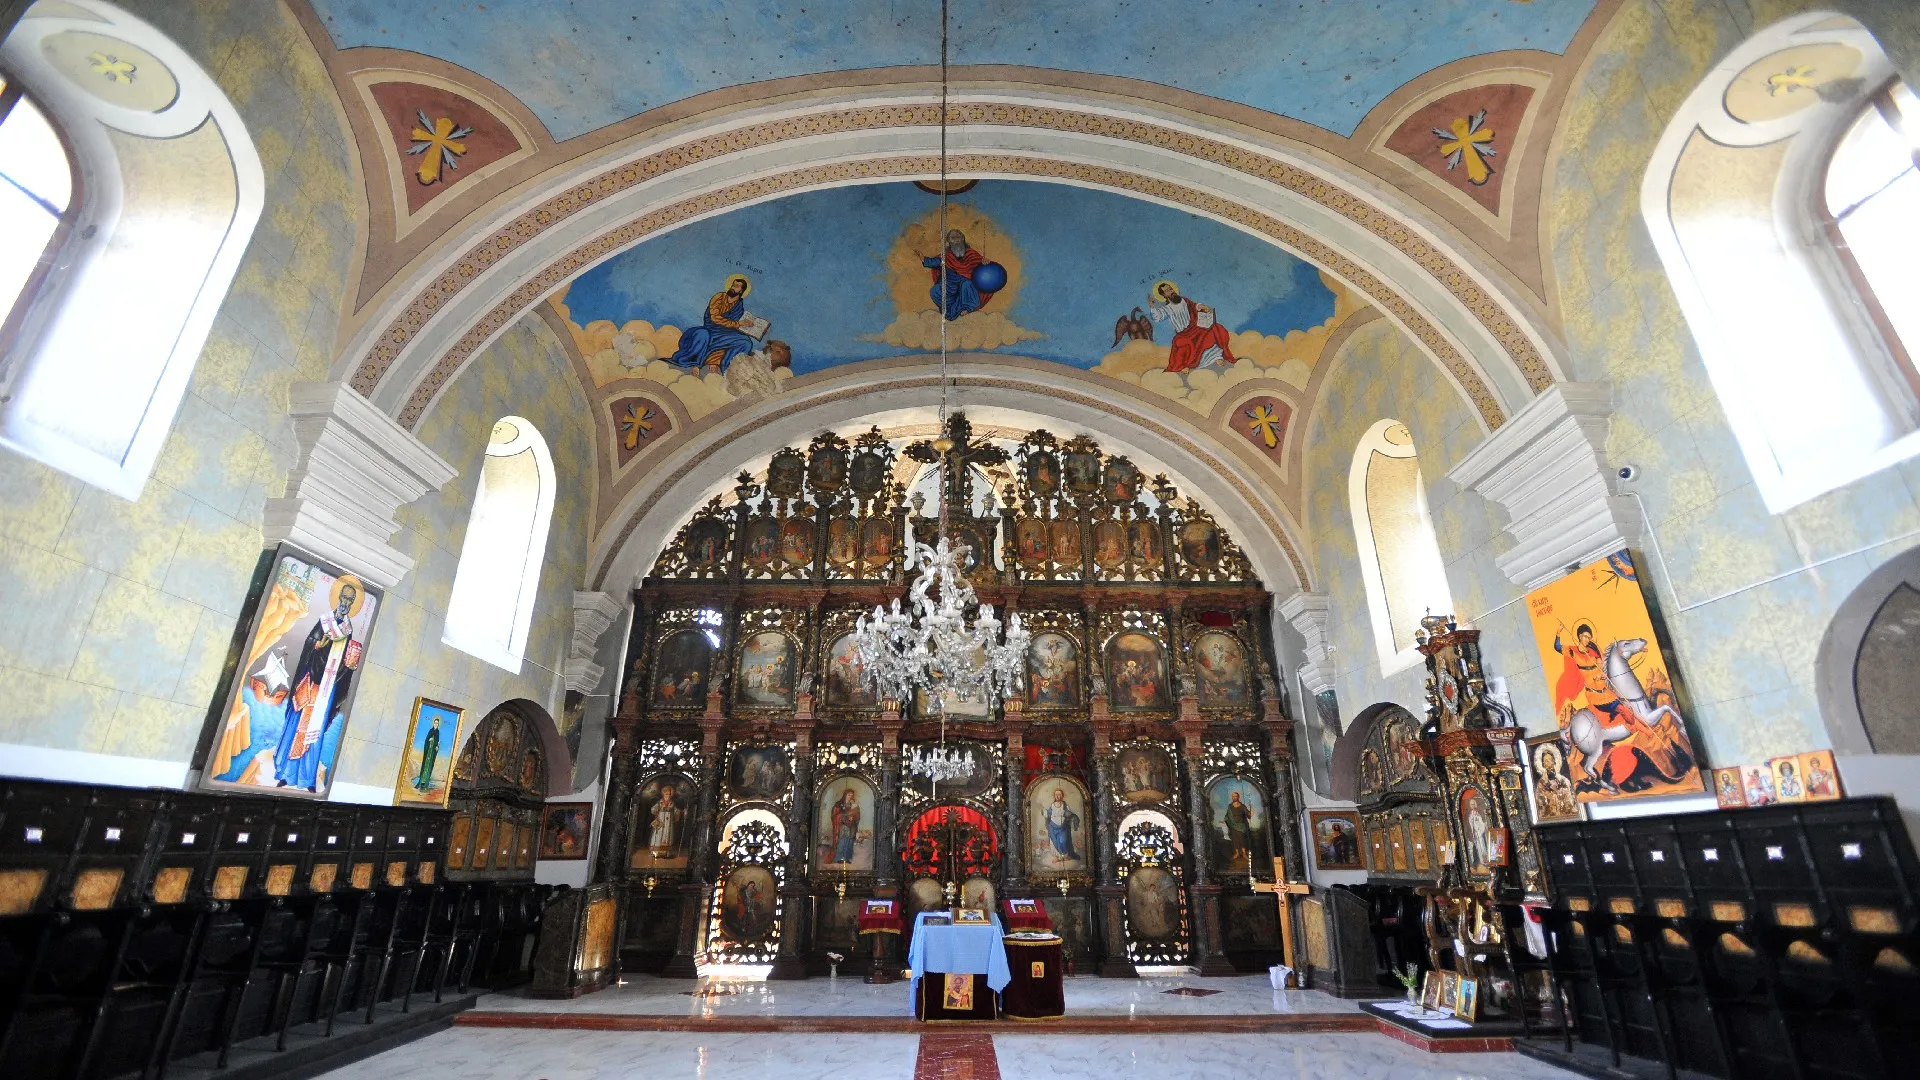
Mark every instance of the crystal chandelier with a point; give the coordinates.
(931, 648)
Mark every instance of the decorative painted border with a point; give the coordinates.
(531, 223)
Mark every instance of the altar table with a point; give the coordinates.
(971, 953)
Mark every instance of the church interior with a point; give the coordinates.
(612, 540)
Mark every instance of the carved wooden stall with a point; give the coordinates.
(1149, 689)
(1403, 832)
(140, 928)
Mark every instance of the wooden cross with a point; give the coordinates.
(1281, 888)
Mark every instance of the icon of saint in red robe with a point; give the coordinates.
(1198, 340)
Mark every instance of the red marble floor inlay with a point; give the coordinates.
(956, 1057)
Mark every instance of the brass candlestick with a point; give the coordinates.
(650, 883)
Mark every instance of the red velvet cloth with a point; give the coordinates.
(870, 924)
(1037, 920)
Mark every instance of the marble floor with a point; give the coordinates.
(497, 1054)
(647, 995)
(936, 1053)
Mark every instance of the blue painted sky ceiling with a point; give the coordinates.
(583, 64)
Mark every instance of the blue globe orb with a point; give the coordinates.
(990, 277)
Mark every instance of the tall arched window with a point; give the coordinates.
(1784, 204)
(498, 577)
(103, 331)
(36, 192)
(1873, 200)
(1399, 553)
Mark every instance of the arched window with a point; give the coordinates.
(36, 192)
(111, 295)
(1873, 200)
(1784, 205)
(1399, 553)
(498, 577)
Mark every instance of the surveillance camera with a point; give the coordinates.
(1629, 473)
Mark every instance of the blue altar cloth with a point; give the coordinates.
(971, 949)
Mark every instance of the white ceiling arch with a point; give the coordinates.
(1448, 297)
(993, 395)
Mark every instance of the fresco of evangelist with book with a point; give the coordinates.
(739, 305)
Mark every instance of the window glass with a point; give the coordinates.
(1401, 565)
(35, 188)
(498, 577)
(1873, 193)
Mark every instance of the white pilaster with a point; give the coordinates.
(1307, 613)
(1547, 467)
(357, 468)
(593, 612)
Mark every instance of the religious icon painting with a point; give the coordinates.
(796, 541)
(867, 472)
(1552, 788)
(565, 829)
(758, 772)
(1030, 540)
(1122, 481)
(844, 829)
(660, 825)
(426, 760)
(827, 468)
(1727, 790)
(1612, 685)
(1063, 540)
(1787, 783)
(1497, 847)
(1043, 473)
(1136, 672)
(680, 668)
(1449, 989)
(843, 542)
(1756, 781)
(1200, 543)
(290, 695)
(1143, 542)
(1053, 671)
(1477, 825)
(1109, 545)
(847, 677)
(1153, 904)
(1083, 471)
(707, 543)
(1220, 662)
(762, 542)
(1430, 989)
(1146, 775)
(765, 675)
(1238, 813)
(786, 473)
(1818, 773)
(746, 904)
(876, 539)
(1057, 824)
(1466, 1000)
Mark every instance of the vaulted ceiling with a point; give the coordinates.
(583, 64)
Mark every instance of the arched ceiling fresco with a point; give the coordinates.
(840, 276)
(583, 64)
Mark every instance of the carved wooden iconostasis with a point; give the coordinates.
(1139, 787)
